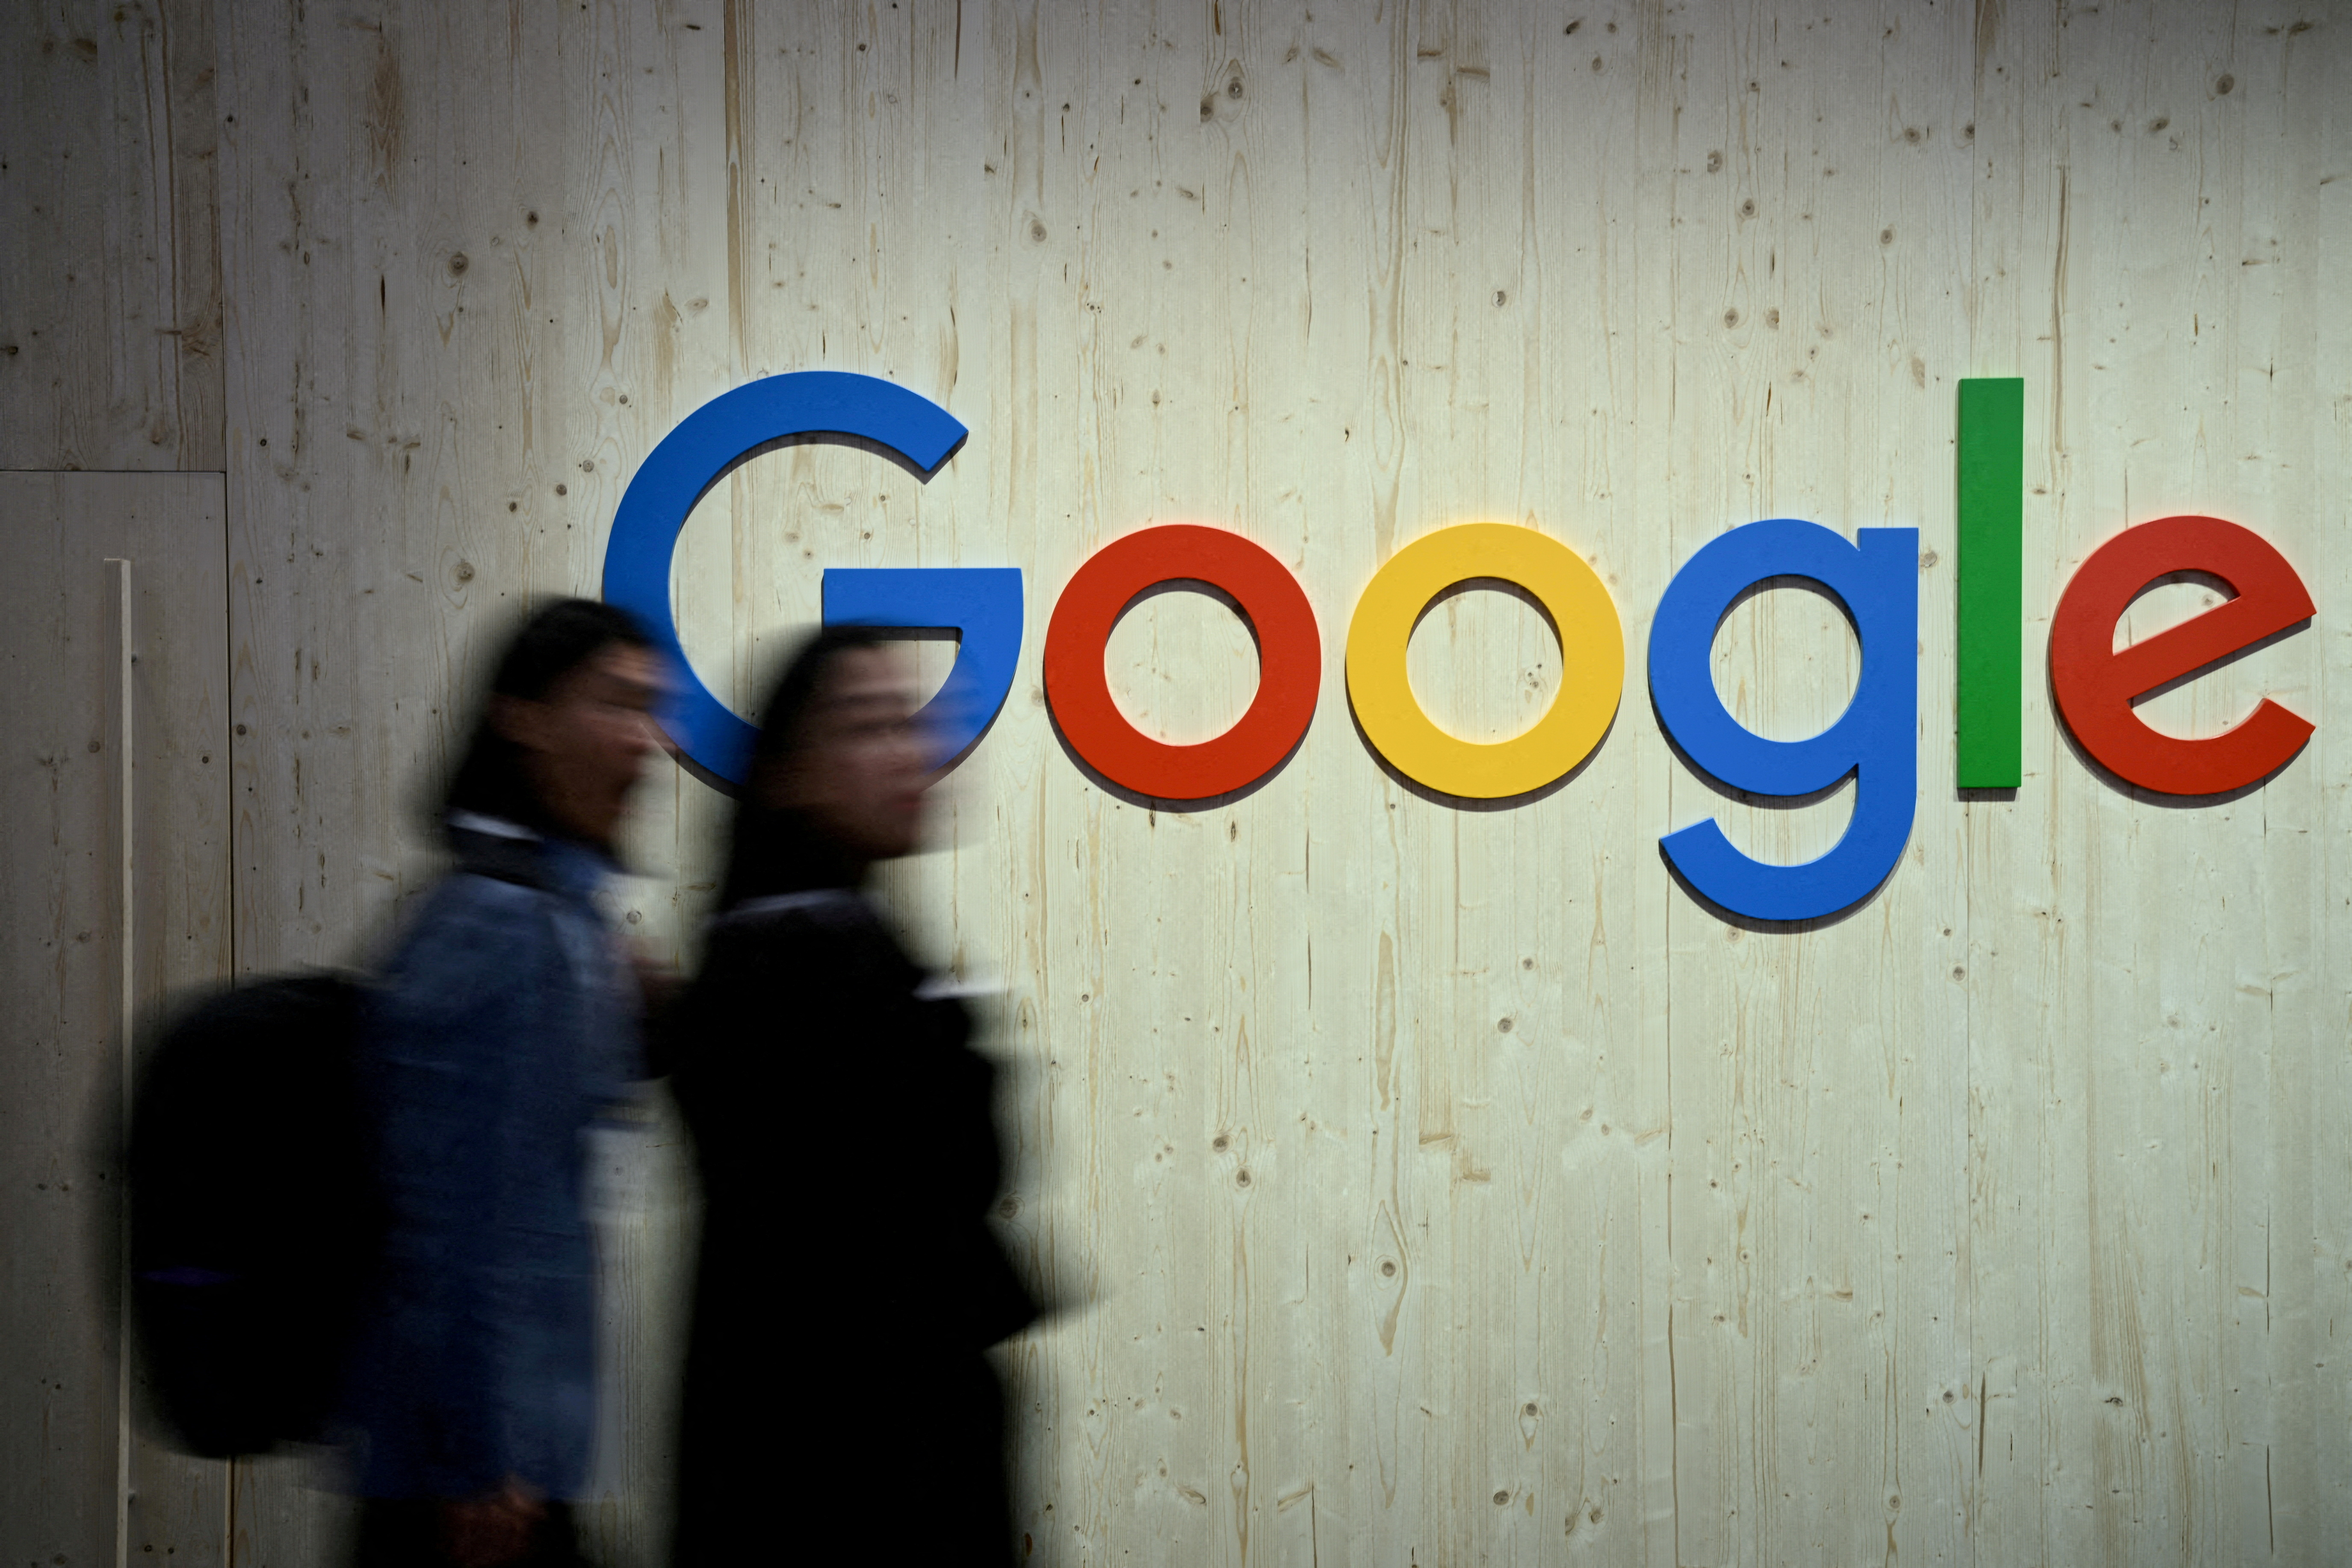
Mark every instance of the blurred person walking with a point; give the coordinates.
(839, 1404)
(504, 1027)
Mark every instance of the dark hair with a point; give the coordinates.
(555, 641)
(776, 849)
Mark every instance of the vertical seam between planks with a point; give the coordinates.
(126, 980)
(228, 820)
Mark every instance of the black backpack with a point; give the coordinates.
(254, 1226)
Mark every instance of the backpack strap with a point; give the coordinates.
(501, 850)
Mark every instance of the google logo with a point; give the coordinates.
(1872, 577)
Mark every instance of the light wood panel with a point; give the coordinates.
(1736, 1245)
(63, 1452)
(110, 255)
(2151, 1058)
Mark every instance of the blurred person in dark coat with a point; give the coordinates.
(504, 1027)
(839, 1405)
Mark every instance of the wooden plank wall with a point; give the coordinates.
(110, 323)
(63, 1449)
(1442, 1185)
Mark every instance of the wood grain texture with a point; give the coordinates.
(61, 1045)
(1440, 1184)
(109, 255)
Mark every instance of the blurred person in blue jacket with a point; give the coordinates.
(505, 1026)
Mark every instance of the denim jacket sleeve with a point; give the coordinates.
(471, 1056)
